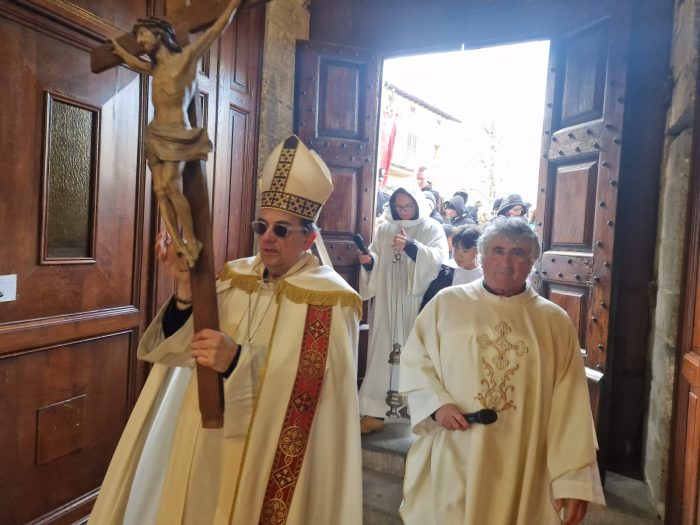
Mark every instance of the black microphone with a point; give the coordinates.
(360, 243)
(485, 416)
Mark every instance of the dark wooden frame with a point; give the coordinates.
(44, 259)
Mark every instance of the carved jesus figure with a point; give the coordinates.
(170, 137)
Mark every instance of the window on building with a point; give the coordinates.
(411, 142)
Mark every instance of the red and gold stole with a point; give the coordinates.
(301, 409)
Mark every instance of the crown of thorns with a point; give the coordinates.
(160, 27)
(153, 22)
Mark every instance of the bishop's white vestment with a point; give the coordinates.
(289, 450)
(397, 289)
(517, 355)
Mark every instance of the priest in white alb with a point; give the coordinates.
(289, 449)
(495, 344)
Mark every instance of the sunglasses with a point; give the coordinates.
(280, 230)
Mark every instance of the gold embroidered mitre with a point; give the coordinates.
(295, 179)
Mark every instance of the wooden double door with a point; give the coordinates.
(78, 222)
(580, 167)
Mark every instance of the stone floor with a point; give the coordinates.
(383, 458)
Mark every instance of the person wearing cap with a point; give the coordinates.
(403, 259)
(286, 351)
(512, 206)
(456, 212)
(496, 345)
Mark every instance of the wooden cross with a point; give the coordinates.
(185, 20)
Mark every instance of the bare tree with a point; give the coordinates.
(488, 158)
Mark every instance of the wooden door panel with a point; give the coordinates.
(52, 289)
(574, 300)
(340, 212)
(695, 341)
(690, 372)
(62, 409)
(584, 78)
(579, 177)
(67, 343)
(573, 206)
(340, 104)
(240, 49)
(336, 115)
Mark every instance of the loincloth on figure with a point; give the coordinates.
(176, 144)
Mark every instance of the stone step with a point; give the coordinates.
(382, 495)
(384, 462)
(385, 451)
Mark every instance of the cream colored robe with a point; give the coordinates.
(520, 356)
(219, 476)
(398, 290)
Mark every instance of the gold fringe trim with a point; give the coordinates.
(249, 284)
(304, 296)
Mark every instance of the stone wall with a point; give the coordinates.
(670, 246)
(285, 22)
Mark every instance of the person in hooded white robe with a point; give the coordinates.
(397, 287)
(495, 344)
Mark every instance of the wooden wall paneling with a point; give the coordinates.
(236, 160)
(68, 343)
(98, 18)
(64, 290)
(62, 409)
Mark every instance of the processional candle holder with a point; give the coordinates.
(393, 398)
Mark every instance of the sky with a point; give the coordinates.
(502, 88)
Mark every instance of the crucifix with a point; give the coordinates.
(176, 149)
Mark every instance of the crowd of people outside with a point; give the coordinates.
(457, 209)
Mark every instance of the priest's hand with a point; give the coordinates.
(213, 349)
(399, 242)
(450, 417)
(165, 253)
(363, 257)
(574, 510)
(168, 257)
